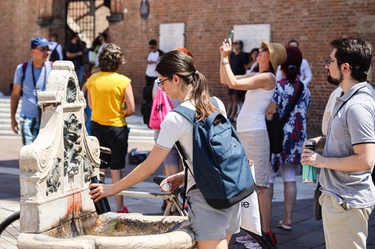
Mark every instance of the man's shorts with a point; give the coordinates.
(29, 129)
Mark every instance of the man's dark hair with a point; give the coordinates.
(241, 44)
(254, 50)
(357, 53)
(295, 41)
(73, 35)
(152, 42)
(55, 35)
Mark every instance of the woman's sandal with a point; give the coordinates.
(283, 226)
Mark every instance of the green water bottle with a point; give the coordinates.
(308, 171)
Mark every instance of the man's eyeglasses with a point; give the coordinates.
(160, 82)
(264, 49)
(46, 49)
(328, 62)
(235, 43)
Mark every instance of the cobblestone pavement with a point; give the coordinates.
(306, 233)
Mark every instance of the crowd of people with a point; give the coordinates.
(274, 79)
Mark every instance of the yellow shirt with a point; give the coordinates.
(107, 91)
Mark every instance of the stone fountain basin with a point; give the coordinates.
(112, 230)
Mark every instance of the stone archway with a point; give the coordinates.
(88, 18)
(53, 14)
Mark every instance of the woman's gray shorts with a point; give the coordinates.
(209, 223)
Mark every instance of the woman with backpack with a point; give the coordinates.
(251, 122)
(179, 78)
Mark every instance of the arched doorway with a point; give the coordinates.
(87, 17)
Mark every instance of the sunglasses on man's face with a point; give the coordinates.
(42, 49)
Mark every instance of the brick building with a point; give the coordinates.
(313, 23)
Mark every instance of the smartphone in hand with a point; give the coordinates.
(230, 35)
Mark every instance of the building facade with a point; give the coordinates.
(132, 23)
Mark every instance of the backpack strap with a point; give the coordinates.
(184, 160)
(55, 48)
(190, 116)
(24, 67)
(187, 113)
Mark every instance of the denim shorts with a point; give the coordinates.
(209, 223)
(114, 138)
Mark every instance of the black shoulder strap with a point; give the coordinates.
(357, 91)
(24, 67)
(55, 48)
(287, 113)
(184, 161)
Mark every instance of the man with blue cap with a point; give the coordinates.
(30, 78)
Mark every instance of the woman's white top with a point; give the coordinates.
(253, 112)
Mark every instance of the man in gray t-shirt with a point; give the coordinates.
(348, 193)
(30, 78)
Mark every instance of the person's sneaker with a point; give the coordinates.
(272, 237)
(125, 210)
(253, 245)
(244, 239)
(164, 206)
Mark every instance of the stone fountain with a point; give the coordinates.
(56, 209)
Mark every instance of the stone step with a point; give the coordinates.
(138, 130)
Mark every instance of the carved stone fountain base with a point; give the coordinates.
(112, 230)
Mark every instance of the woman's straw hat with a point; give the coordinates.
(277, 53)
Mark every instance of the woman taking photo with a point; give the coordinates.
(179, 78)
(251, 124)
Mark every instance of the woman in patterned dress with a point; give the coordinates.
(294, 130)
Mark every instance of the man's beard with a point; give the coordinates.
(334, 81)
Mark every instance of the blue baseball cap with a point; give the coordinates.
(39, 41)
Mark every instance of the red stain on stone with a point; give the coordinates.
(74, 198)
